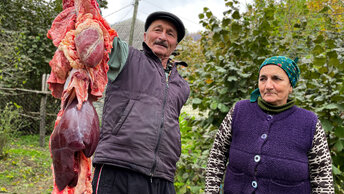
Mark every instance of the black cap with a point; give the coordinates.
(169, 17)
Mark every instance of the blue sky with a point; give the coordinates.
(187, 10)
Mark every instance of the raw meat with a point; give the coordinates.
(89, 44)
(70, 138)
(78, 77)
(75, 21)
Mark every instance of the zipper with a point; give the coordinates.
(161, 126)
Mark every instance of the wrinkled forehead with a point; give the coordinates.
(163, 23)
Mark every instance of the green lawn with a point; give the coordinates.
(27, 167)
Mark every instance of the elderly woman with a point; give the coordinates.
(271, 145)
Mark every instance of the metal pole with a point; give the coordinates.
(136, 5)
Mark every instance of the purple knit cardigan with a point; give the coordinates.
(268, 153)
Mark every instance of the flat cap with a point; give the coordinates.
(169, 17)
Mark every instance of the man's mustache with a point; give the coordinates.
(161, 43)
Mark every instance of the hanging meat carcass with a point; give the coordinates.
(78, 77)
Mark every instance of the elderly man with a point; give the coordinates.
(140, 137)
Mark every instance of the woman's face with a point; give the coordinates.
(274, 85)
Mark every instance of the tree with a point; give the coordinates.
(27, 23)
(8, 56)
(236, 45)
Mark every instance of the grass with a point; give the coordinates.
(26, 167)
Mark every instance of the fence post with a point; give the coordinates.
(43, 111)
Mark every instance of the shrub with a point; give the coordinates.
(196, 143)
(9, 123)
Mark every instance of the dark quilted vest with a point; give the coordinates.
(268, 153)
(140, 127)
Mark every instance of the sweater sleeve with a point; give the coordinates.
(218, 155)
(320, 164)
(118, 58)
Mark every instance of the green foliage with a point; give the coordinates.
(25, 48)
(9, 123)
(102, 3)
(190, 173)
(322, 91)
(9, 56)
(235, 46)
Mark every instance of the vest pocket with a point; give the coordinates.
(289, 187)
(234, 181)
(124, 116)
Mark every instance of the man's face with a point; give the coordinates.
(161, 37)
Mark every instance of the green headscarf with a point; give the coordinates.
(287, 64)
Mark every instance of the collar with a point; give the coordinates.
(274, 109)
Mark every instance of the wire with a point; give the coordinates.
(118, 10)
(154, 5)
(125, 15)
(165, 10)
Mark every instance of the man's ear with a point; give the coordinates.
(144, 36)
